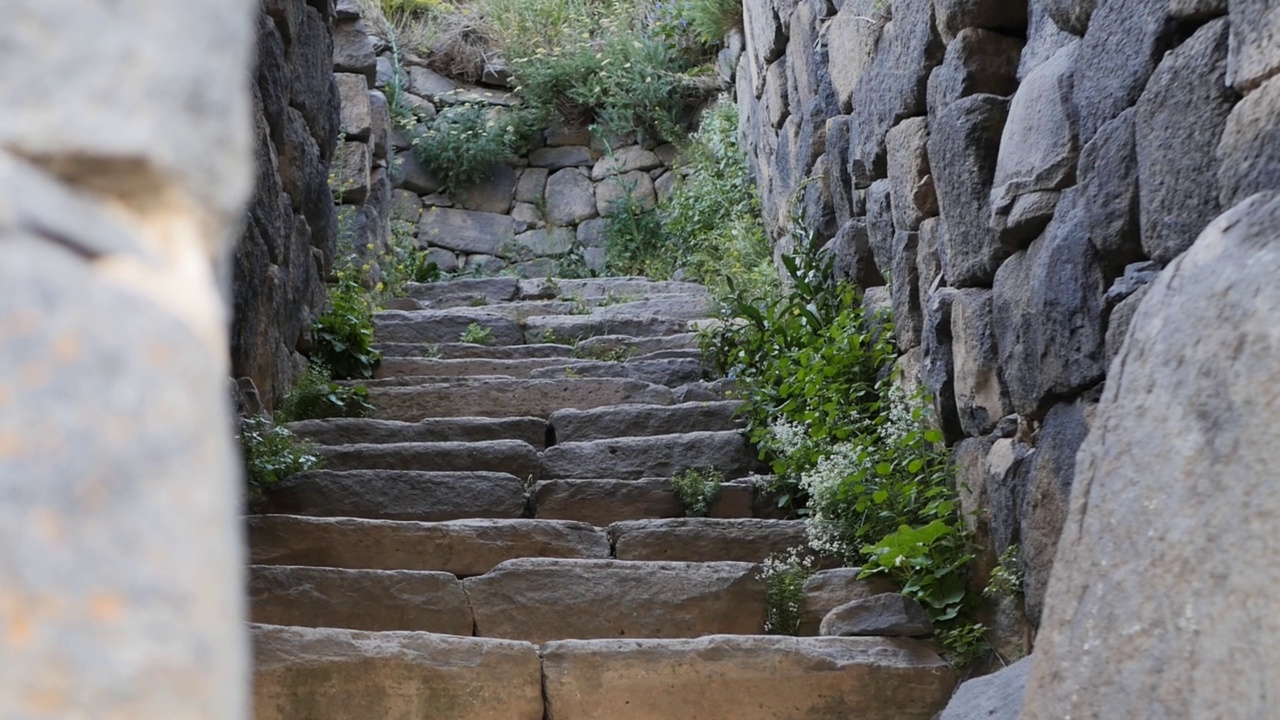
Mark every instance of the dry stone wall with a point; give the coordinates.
(533, 216)
(1017, 173)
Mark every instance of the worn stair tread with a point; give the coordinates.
(339, 674)
(497, 289)
(620, 285)
(578, 327)
(539, 599)
(506, 456)
(705, 539)
(399, 495)
(502, 398)
(613, 347)
(461, 350)
(445, 326)
(603, 502)
(359, 599)
(613, 421)
(633, 458)
(745, 678)
(348, 431)
(671, 372)
(462, 547)
(461, 367)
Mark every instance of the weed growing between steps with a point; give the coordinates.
(853, 455)
(271, 454)
(476, 334)
(344, 333)
(316, 397)
(709, 229)
(697, 489)
(784, 575)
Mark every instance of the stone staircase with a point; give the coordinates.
(501, 540)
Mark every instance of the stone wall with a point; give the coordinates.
(532, 216)
(291, 228)
(1021, 171)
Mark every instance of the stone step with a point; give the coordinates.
(462, 351)
(510, 398)
(336, 674)
(445, 326)
(603, 502)
(539, 599)
(461, 547)
(705, 539)
(670, 372)
(682, 306)
(498, 289)
(399, 495)
(347, 431)
(359, 599)
(562, 328)
(622, 347)
(633, 458)
(617, 287)
(503, 456)
(745, 678)
(616, 421)
(413, 366)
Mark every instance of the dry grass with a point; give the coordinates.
(449, 37)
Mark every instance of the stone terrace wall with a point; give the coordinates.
(526, 218)
(288, 244)
(1022, 171)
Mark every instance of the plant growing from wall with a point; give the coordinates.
(713, 19)
(1006, 576)
(697, 489)
(344, 333)
(463, 143)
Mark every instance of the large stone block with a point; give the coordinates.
(904, 290)
(1108, 184)
(1255, 37)
(570, 197)
(939, 367)
(997, 696)
(1179, 122)
(1172, 487)
(954, 16)
(981, 399)
(1071, 15)
(1044, 38)
(465, 231)
(399, 495)
(852, 37)
(910, 184)
(963, 144)
(357, 116)
(1249, 153)
(976, 62)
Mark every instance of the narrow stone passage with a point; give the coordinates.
(502, 539)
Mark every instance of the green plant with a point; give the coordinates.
(784, 576)
(272, 453)
(713, 19)
(316, 396)
(1006, 576)
(344, 333)
(463, 143)
(476, 334)
(697, 489)
(635, 243)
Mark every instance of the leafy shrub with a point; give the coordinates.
(784, 576)
(713, 19)
(476, 334)
(697, 489)
(1006, 576)
(462, 143)
(272, 453)
(634, 240)
(344, 333)
(316, 397)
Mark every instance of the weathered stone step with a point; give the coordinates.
(603, 502)
(615, 347)
(399, 495)
(412, 366)
(745, 678)
(615, 421)
(461, 351)
(621, 286)
(461, 547)
(561, 328)
(705, 539)
(504, 456)
(683, 306)
(444, 326)
(506, 398)
(335, 674)
(540, 599)
(359, 599)
(633, 458)
(498, 289)
(670, 372)
(347, 431)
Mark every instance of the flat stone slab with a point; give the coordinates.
(506, 398)
(672, 372)
(466, 231)
(491, 289)
(345, 431)
(461, 547)
(826, 590)
(590, 288)
(444, 326)
(705, 539)
(633, 458)
(522, 368)
(890, 614)
(745, 678)
(602, 502)
(539, 599)
(577, 327)
(335, 674)
(683, 306)
(613, 347)
(358, 599)
(504, 456)
(644, 420)
(457, 351)
(399, 495)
